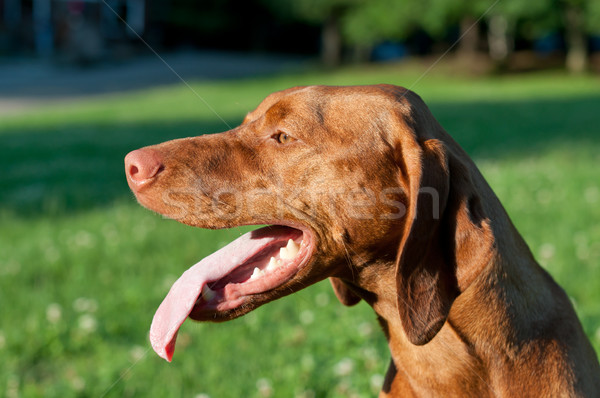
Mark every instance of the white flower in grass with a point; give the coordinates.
(307, 317)
(344, 388)
(12, 387)
(53, 312)
(92, 305)
(78, 383)
(370, 354)
(264, 387)
(137, 353)
(376, 382)
(51, 254)
(582, 252)
(83, 304)
(83, 239)
(306, 394)
(111, 236)
(365, 329)
(344, 367)
(202, 395)
(87, 323)
(547, 251)
(322, 299)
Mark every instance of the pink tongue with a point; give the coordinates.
(182, 297)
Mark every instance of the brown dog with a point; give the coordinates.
(361, 184)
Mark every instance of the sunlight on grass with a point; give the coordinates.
(83, 267)
(231, 100)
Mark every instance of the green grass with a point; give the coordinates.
(83, 267)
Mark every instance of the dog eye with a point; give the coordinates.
(283, 138)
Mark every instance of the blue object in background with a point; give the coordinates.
(548, 44)
(389, 51)
(595, 43)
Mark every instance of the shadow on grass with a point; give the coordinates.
(75, 167)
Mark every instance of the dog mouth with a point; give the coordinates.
(257, 262)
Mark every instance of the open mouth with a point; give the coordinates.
(256, 262)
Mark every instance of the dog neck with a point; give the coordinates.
(465, 341)
(412, 365)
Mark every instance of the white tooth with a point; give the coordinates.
(293, 244)
(292, 249)
(283, 253)
(272, 264)
(289, 251)
(207, 293)
(257, 272)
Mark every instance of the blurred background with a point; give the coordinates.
(83, 267)
(503, 35)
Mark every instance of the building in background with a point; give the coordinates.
(85, 31)
(75, 30)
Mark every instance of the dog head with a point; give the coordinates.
(345, 177)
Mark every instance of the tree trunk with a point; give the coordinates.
(469, 37)
(361, 53)
(499, 41)
(576, 40)
(331, 42)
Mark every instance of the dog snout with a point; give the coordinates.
(142, 166)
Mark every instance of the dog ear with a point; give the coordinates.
(445, 238)
(343, 292)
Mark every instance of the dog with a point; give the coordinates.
(363, 186)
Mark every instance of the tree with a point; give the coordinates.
(372, 21)
(327, 13)
(503, 19)
(576, 18)
(579, 17)
(364, 23)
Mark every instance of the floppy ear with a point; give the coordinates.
(444, 218)
(343, 292)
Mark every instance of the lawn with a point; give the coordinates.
(83, 267)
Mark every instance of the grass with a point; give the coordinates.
(83, 267)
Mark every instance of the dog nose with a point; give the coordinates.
(142, 164)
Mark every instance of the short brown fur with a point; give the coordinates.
(465, 307)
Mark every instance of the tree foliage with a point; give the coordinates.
(368, 22)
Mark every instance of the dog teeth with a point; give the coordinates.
(207, 293)
(273, 264)
(256, 274)
(293, 247)
(285, 253)
(290, 251)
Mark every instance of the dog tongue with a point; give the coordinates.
(182, 297)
